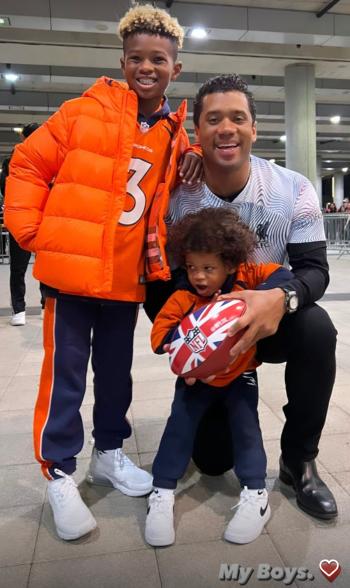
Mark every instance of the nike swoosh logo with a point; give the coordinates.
(263, 510)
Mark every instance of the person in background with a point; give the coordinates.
(19, 258)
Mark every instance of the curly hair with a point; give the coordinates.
(154, 21)
(220, 84)
(211, 230)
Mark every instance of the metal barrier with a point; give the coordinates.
(337, 229)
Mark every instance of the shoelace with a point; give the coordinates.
(66, 488)
(158, 502)
(246, 497)
(123, 460)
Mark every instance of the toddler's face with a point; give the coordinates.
(206, 272)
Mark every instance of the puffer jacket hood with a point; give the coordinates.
(106, 91)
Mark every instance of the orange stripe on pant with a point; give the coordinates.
(43, 403)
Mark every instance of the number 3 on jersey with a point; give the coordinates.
(138, 168)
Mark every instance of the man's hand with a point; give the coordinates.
(191, 168)
(265, 309)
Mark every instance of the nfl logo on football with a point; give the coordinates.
(195, 340)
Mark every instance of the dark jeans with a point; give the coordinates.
(240, 399)
(305, 340)
(19, 260)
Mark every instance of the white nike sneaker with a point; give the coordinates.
(18, 319)
(113, 468)
(253, 513)
(159, 530)
(72, 517)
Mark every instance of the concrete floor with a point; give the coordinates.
(115, 554)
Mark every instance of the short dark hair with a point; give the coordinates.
(212, 230)
(220, 84)
(29, 129)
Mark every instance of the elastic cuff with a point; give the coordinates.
(101, 445)
(163, 483)
(253, 484)
(68, 470)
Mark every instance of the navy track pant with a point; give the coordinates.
(74, 329)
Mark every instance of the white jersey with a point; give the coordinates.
(279, 205)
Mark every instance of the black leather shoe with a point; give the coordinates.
(313, 496)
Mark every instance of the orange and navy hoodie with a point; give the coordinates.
(248, 276)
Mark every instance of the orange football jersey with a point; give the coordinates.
(150, 157)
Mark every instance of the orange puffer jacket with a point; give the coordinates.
(84, 151)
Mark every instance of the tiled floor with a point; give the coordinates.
(115, 555)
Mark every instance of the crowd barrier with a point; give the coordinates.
(337, 229)
(336, 226)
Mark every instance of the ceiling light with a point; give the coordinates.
(4, 21)
(335, 120)
(329, 168)
(283, 138)
(11, 77)
(328, 160)
(198, 33)
(272, 160)
(17, 129)
(344, 169)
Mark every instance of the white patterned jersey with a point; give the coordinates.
(279, 205)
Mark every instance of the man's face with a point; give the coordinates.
(149, 65)
(226, 130)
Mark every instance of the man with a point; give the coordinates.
(282, 208)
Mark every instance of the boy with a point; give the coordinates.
(214, 246)
(105, 155)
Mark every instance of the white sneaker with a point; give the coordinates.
(113, 468)
(72, 517)
(159, 530)
(253, 513)
(18, 319)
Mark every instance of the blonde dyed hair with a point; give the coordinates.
(154, 21)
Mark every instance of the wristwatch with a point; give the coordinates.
(291, 301)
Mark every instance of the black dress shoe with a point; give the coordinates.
(312, 494)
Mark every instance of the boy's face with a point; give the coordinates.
(226, 130)
(149, 66)
(206, 272)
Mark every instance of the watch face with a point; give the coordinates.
(293, 302)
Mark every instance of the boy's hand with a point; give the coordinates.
(191, 168)
(216, 296)
(265, 309)
(191, 381)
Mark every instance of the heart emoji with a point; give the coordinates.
(330, 568)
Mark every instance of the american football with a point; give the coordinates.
(200, 346)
